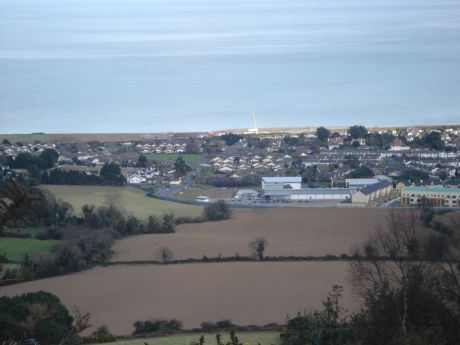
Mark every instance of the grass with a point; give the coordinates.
(25, 138)
(247, 338)
(193, 159)
(32, 231)
(132, 200)
(16, 248)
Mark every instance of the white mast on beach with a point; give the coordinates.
(255, 128)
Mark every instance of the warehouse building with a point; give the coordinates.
(376, 191)
(436, 196)
(290, 188)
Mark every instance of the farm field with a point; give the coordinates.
(289, 231)
(132, 200)
(193, 159)
(245, 293)
(249, 337)
(16, 248)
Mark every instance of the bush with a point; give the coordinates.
(218, 210)
(49, 234)
(150, 326)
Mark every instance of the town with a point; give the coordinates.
(346, 167)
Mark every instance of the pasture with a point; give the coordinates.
(131, 200)
(247, 338)
(16, 248)
(289, 231)
(192, 159)
(254, 293)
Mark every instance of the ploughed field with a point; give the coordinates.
(132, 201)
(289, 232)
(246, 293)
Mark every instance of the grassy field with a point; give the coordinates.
(32, 231)
(24, 138)
(247, 338)
(193, 159)
(247, 293)
(16, 248)
(132, 200)
(211, 192)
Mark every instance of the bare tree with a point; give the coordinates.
(114, 201)
(80, 324)
(165, 254)
(390, 257)
(257, 247)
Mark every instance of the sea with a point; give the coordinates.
(110, 66)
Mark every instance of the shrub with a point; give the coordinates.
(218, 210)
(150, 326)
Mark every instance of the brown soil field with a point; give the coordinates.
(246, 293)
(289, 231)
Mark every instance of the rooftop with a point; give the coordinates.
(282, 179)
(375, 187)
(436, 189)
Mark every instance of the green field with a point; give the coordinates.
(247, 338)
(32, 231)
(16, 248)
(193, 159)
(132, 200)
(24, 138)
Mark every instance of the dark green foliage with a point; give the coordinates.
(48, 320)
(181, 167)
(323, 134)
(351, 161)
(381, 141)
(142, 161)
(151, 326)
(361, 172)
(414, 175)
(326, 327)
(225, 181)
(231, 139)
(111, 172)
(357, 132)
(73, 177)
(218, 210)
(432, 140)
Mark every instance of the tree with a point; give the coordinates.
(400, 289)
(181, 167)
(351, 161)
(165, 254)
(48, 158)
(16, 203)
(37, 315)
(218, 210)
(112, 173)
(142, 161)
(257, 247)
(323, 134)
(357, 132)
(361, 172)
(326, 327)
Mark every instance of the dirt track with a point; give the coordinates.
(289, 231)
(246, 293)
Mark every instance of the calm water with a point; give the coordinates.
(157, 65)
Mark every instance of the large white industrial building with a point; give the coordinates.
(290, 188)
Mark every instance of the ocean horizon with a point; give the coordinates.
(140, 66)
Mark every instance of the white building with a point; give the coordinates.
(281, 183)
